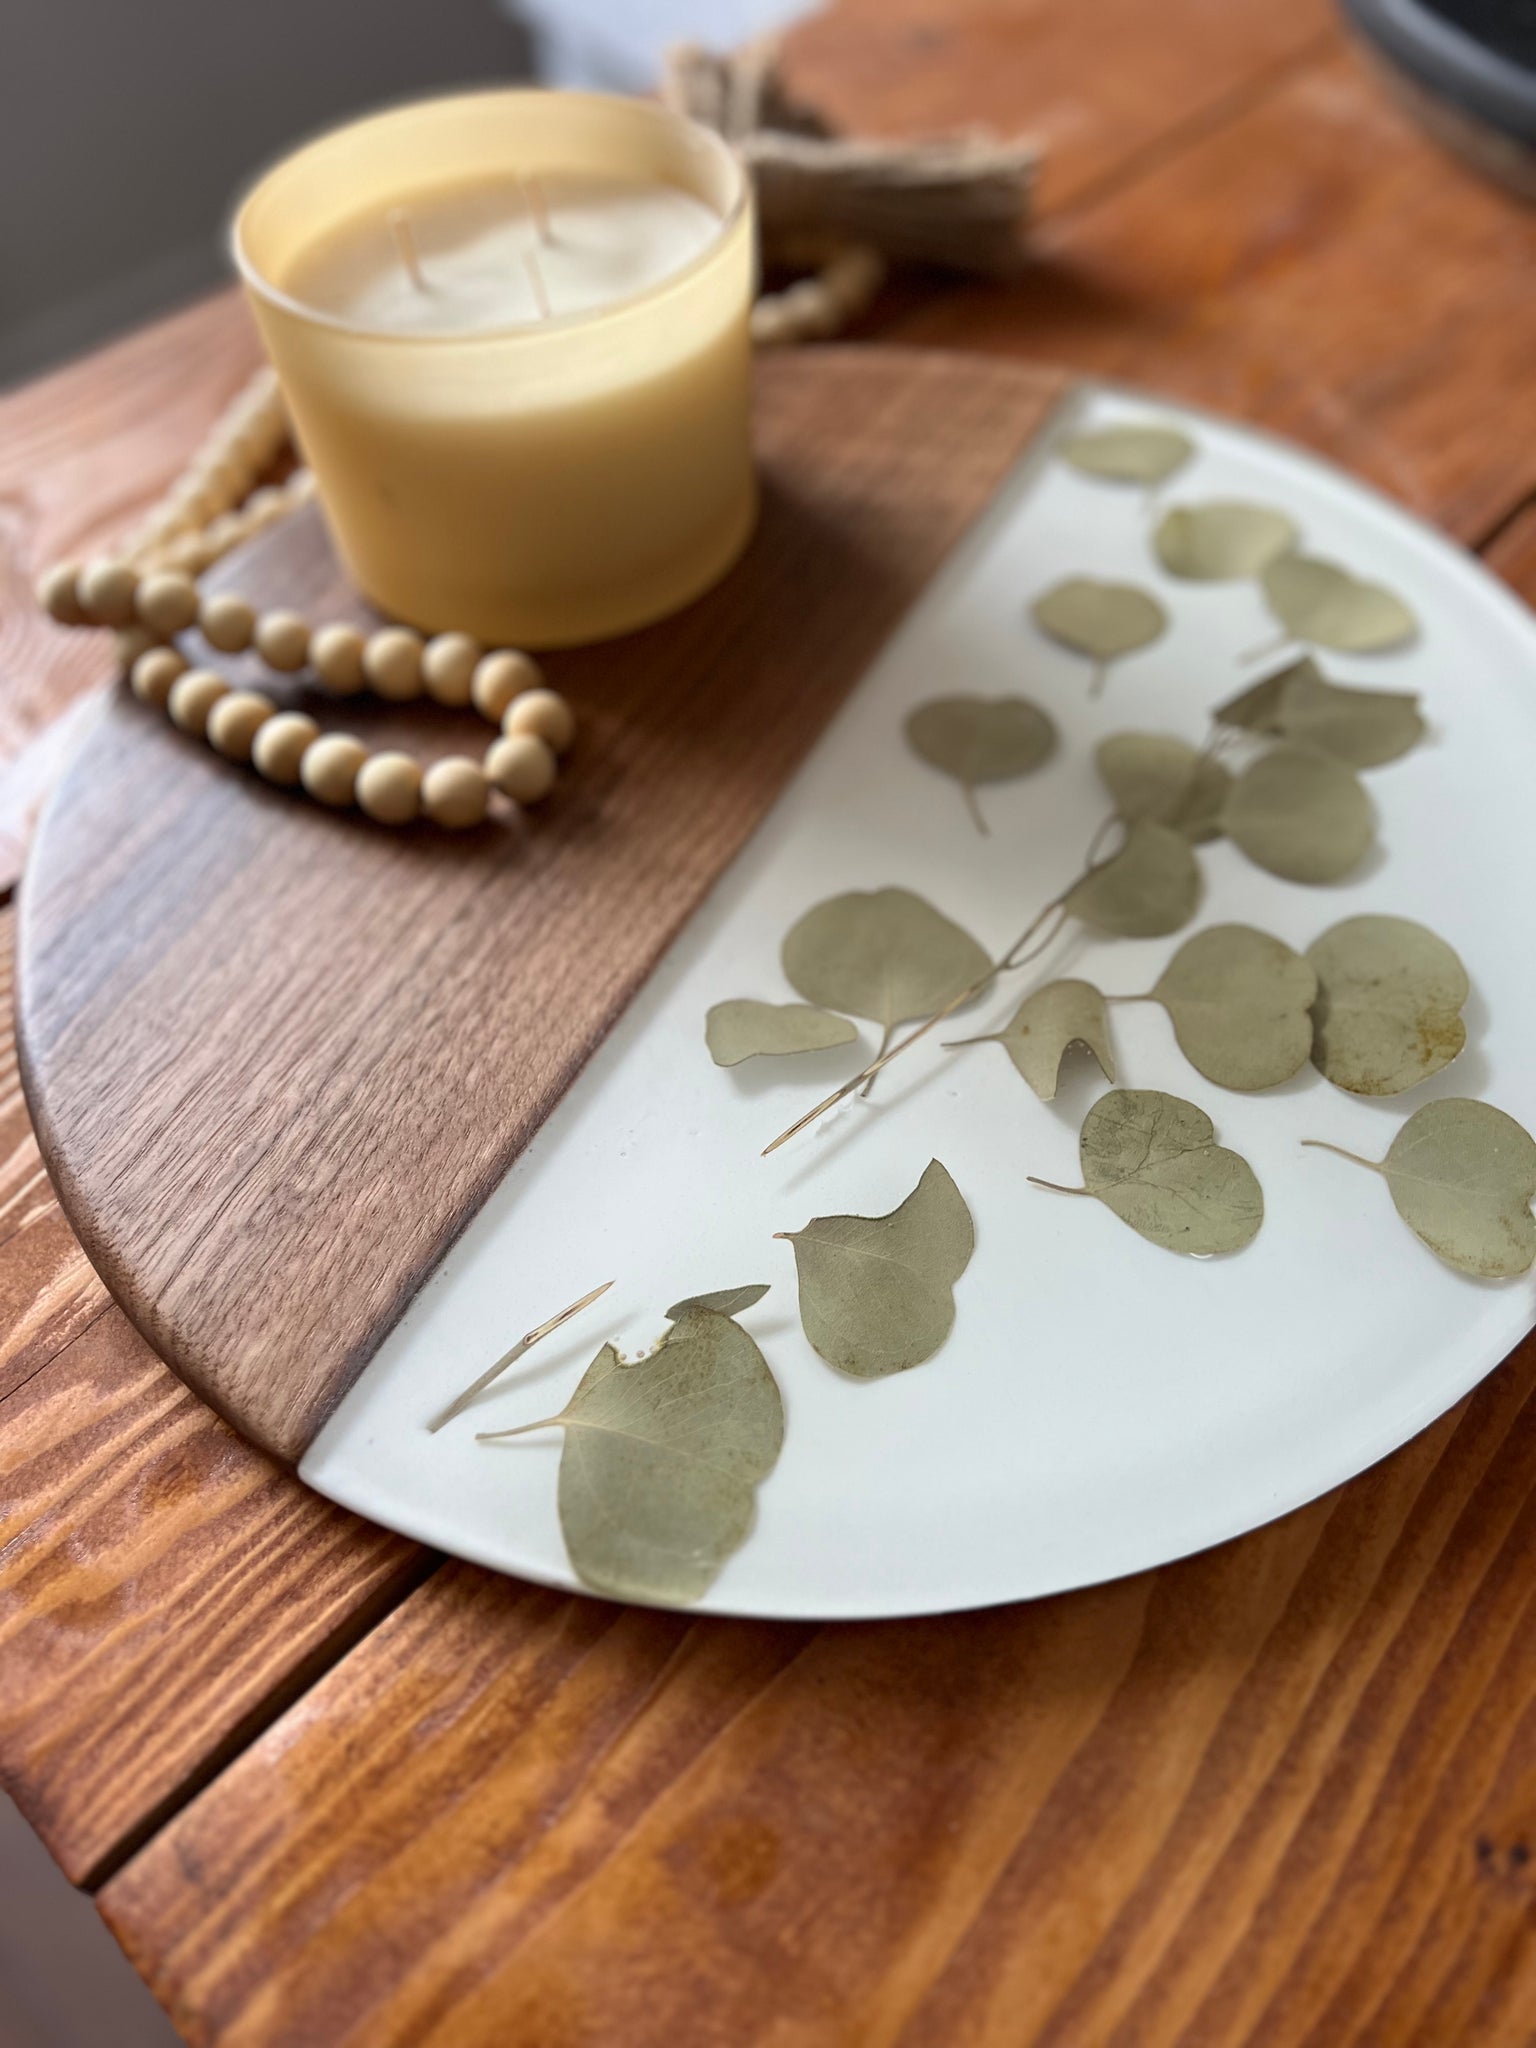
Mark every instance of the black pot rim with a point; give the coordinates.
(1446, 60)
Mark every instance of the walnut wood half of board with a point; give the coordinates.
(278, 1057)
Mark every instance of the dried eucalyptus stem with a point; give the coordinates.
(457, 1407)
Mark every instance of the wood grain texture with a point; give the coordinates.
(82, 453)
(1281, 1793)
(243, 1019)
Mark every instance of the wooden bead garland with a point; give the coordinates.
(149, 594)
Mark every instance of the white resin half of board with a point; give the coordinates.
(1102, 1405)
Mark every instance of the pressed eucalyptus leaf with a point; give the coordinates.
(1300, 814)
(1047, 1026)
(876, 1292)
(1224, 539)
(1388, 1010)
(1240, 1003)
(1257, 708)
(1129, 454)
(725, 1301)
(981, 739)
(1321, 602)
(1463, 1176)
(1366, 728)
(1152, 1159)
(662, 1459)
(884, 954)
(1153, 776)
(743, 1029)
(1101, 620)
(1150, 888)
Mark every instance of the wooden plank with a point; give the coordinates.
(82, 453)
(1272, 1794)
(1315, 265)
(243, 1017)
(1101, 86)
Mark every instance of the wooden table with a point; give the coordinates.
(332, 1790)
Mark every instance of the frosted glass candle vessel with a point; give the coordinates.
(511, 330)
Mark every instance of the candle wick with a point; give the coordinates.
(405, 243)
(536, 278)
(537, 203)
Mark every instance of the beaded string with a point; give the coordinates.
(149, 594)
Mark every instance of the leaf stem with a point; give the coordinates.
(1322, 1145)
(525, 1343)
(1055, 1186)
(1098, 679)
(495, 1436)
(973, 805)
(1149, 997)
(885, 1039)
(1018, 955)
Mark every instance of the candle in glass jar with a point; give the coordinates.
(511, 329)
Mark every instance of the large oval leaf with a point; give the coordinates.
(1463, 1177)
(1388, 1011)
(1224, 539)
(876, 1291)
(1153, 1160)
(743, 1029)
(662, 1459)
(1300, 814)
(1240, 1004)
(1129, 454)
(1101, 620)
(1150, 888)
(1153, 776)
(1321, 602)
(1045, 1028)
(981, 739)
(883, 954)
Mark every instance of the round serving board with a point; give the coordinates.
(285, 1065)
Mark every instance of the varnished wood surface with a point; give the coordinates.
(244, 1019)
(1283, 1795)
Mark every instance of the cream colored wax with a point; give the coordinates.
(512, 332)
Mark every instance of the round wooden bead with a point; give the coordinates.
(499, 677)
(227, 622)
(522, 766)
(166, 602)
(389, 788)
(454, 791)
(106, 592)
(336, 654)
(279, 747)
(392, 662)
(329, 767)
(448, 667)
(130, 642)
(235, 720)
(193, 696)
(282, 641)
(153, 674)
(544, 713)
(59, 597)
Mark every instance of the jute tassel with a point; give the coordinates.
(848, 206)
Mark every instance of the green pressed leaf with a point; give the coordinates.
(1300, 814)
(662, 1459)
(1151, 887)
(1463, 1176)
(1130, 454)
(885, 954)
(1153, 776)
(1318, 601)
(1211, 543)
(1152, 1158)
(876, 1291)
(1257, 708)
(1366, 728)
(726, 1301)
(1101, 620)
(981, 739)
(1240, 1004)
(1388, 1010)
(1045, 1028)
(743, 1030)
